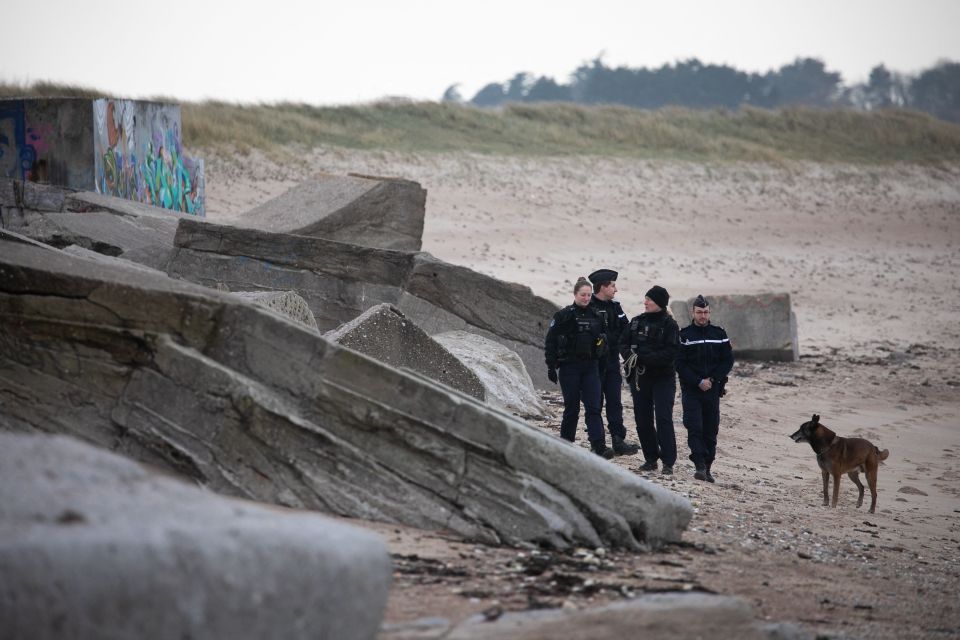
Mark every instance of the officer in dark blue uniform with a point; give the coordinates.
(649, 349)
(611, 382)
(705, 360)
(574, 344)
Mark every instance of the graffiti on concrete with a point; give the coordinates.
(138, 156)
(16, 153)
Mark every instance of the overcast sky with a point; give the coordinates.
(360, 50)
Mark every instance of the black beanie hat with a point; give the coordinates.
(659, 295)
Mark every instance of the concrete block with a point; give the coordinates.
(385, 333)
(505, 380)
(94, 546)
(386, 213)
(761, 326)
(286, 303)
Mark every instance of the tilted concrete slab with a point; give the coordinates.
(94, 546)
(249, 404)
(112, 226)
(340, 281)
(384, 333)
(761, 326)
(372, 211)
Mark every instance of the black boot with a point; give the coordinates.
(709, 477)
(623, 448)
(601, 449)
(701, 473)
(649, 465)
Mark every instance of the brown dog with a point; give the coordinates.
(837, 456)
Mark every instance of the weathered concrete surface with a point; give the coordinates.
(375, 212)
(111, 226)
(384, 333)
(340, 281)
(287, 303)
(248, 404)
(690, 616)
(761, 326)
(505, 380)
(95, 546)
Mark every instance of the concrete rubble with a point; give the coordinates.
(384, 333)
(500, 370)
(249, 404)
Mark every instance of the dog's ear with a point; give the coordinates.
(815, 419)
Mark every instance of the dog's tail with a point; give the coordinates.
(882, 454)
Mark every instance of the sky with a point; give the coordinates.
(354, 51)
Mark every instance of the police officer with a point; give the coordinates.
(611, 382)
(575, 342)
(649, 349)
(705, 360)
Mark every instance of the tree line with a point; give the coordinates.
(692, 83)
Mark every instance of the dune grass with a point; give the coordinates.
(750, 134)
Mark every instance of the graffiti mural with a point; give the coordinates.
(16, 153)
(138, 156)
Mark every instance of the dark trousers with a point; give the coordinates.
(701, 417)
(611, 384)
(580, 381)
(653, 396)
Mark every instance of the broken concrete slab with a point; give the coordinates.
(762, 326)
(687, 616)
(249, 404)
(340, 281)
(384, 333)
(287, 303)
(367, 210)
(112, 226)
(505, 380)
(93, 545)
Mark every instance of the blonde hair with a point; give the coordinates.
(581, 281)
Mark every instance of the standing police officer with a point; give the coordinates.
(649, 348)
(706, 359)
(575, 342)
(611, 382)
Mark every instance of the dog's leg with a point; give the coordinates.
(826, 480)
(871, 469)
(836, 488)
(855, 476)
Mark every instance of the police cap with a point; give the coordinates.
(701, 302)
(603, 275)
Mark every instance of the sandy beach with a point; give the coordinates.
(871, 258)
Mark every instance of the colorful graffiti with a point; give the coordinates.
(17, 155)
(139, 156)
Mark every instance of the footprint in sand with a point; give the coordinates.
(911, 490)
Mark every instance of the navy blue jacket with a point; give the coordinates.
(615, 320)
(654, 337)
(705, 352)
(575, 333)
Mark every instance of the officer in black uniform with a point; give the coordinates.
(649, 349)
(705, 360)
(575, 342)
(611, 382)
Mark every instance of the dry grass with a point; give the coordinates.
(834, 135)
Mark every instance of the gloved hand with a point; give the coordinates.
(552, 375)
